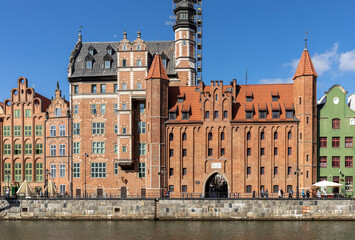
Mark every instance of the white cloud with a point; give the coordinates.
(347, 61)
(274, 80)
(324, 61)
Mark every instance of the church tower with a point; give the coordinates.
(185, 42)
(305, 99)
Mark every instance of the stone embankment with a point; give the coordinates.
(177, 209)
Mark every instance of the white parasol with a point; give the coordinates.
(325, 183)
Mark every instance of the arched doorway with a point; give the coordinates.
(216, 186)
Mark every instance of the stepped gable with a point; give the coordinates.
(157, 69)
(305, 65)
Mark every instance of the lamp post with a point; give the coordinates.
(47, 172)
(86, 155)
(8, 174)
(298, 172)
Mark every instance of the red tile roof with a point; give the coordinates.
(305, 66)
(157, 69)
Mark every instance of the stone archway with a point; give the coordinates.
(216, 186)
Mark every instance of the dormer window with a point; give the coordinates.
(89, 61)
(108, 60)
(249, 111)
(248, 114)
(289, 113)
(172, 115)
(109, 50)
(275, 96)
(164, 62)
(91, 50)
(185, 112)
(107, 64)
(181, 98)
(262, 114)
(89, 64)
(249, 96)
(185, 116)
(276, 110)
(262, 111)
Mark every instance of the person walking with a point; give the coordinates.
(308, 193)
(318, 194)
(290, 193)
(303, 194)
(7, 193)
(266, 193)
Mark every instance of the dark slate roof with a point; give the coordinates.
(98, 69)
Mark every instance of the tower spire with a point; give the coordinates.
(305, 66)
(139, 34)
(305, 42)
(124, 34)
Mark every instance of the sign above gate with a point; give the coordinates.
(216, 165)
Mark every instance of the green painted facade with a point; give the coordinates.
(335, 107)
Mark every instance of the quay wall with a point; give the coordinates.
(177, 209)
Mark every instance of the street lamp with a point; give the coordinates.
(47, 172)
(298, 172)
(86, 155)
(8, 174)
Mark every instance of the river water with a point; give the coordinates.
(163, 230)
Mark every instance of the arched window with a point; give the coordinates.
(171, 137)
(184, 137)
(209, 136)
(248, 136)
(289, 135)
(262, 136)
(222, 135)
(275, 135)
(336, 123)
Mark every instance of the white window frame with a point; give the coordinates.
(53, 130)
(98, 128)
(62, 130)
(61, 170)
(53, 150)
(76, 109)
(53, 170)
(58, 112)
(62, 149)
(76, 147)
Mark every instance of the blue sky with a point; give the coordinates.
(264, 36)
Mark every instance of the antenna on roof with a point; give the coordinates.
(157, 48)
(246, 76)
(305, 40)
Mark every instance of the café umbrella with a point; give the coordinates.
(51, 188)
(325, 183)
(25, 190)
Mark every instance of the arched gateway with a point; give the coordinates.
(216, 186)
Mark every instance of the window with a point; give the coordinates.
(39, 148)
(336, 162)
(62, 189)
(17, 131)
(115, 129)
(289, 113)
(124, 106)
(262, 170)
(172, 116)
(336, 142)
(275, 151)
(58, 112)
(184, 152)
(39, 130)
(171, 153)
(275, 98)
(207, 114)
(216, 97)
(7, 169)
(307, 120)
(98, 170)
(17, 113)
(28, 149)
(139, 86)
(124, 86)
(103, 88)
(28, 113)
(276, 170)
(262, 114)
(164, 62)
(115, 87)
(249, 98)
(216, 114)
(225, 114)
(7, 149)
(93, 109)
(323, 162)
(248, 151)
(103, 108)
(39, 172)
(107, 64)
(53, 170)
(209, 136)
(93, 88)
(289, 151)
(184, 41)
(115, 149)
(141, 170)
(76, 147)
(18, 172)
(138, 47)
(124, 149)
(262, 136)
(348, 142)
(61, 130)
(248, 135)
(249, 115)
(28, 172)
(98, 147)
(184, 137)
(171, 137)
(349, 183)
(171, 188)
(275, 114)
(18, 149)
(289, 135)
(185, 116)
(248, 189)
(89, 64)
(275, 135)
(28, 130)
(222, 136)
(115, 167)
(76, 128)
(171, 171)
(222, 151)
(300, 100)
(349, 161)
(124, 130)
(141, 108)
(248, 170)
(210, 152)
(7, 131)
(61, 170)
(53, 131)
(124, 62)
(180, 99)
(115, 108)
(336, 123)
(141, 149)
(76, 89)
(61, 149)
(76, 109)
(139, 62)
(262, 151)
(53, 150)
(141, 127)
(276, 188)
(184, 188)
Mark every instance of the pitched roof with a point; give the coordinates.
(305, 66)
(157, 69)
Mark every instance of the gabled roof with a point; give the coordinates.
(157, 69)
(305, 66)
